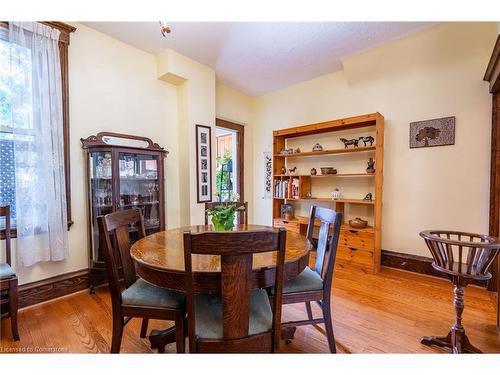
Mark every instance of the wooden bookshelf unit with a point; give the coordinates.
(360, 247)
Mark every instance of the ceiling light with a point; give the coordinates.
(164, 28)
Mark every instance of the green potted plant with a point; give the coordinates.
(222, 216)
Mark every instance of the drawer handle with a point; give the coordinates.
(352, 248)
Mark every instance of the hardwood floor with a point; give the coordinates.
(383, 313)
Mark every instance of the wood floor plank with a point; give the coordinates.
(384, 313)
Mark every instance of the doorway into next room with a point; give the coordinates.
(229, 161)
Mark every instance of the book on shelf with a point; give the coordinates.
(287, 189)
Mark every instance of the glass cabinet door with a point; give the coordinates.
(101, 192)
(140, 187)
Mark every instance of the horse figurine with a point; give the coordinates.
(292, 170)
(367, 140)
(348, 142)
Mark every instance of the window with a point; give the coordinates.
(8, 122)
(17, 131)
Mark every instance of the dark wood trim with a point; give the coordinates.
(97, 140)
(53, 287)
(414, 263)
(492, 74)
(64, 40)
(240, 147)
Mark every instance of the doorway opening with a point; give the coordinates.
(229, 161)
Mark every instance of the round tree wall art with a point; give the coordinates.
(430, 133)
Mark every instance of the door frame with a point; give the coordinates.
(492, 76)
(240, 149)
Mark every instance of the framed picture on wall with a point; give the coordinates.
(203, 163)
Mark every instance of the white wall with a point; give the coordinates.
(432, 74)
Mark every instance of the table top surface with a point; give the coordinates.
(165, 251)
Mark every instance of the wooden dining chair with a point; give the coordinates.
(239, 319)
(139, 298)
(242, 214)
(8, 278)
(315, 285)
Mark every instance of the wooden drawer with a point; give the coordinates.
(355, 255)
(361, 240)
(292, 225)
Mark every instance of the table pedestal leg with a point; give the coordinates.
(160, 338)
(287, 334)
(456, 340)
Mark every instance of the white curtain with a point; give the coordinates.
(38, 143)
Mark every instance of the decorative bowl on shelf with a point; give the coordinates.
(317, 147)
(328, 170)
(358, 223)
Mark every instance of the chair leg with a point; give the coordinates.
(180, 334)
(117, 334)
(327, 315)
(13, 307)
(144, 327)
(309, 310)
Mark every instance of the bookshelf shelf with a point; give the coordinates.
(327, 152)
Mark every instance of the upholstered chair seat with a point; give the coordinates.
(307, 280)
(142, 293)
(6, 271)
(208, 314)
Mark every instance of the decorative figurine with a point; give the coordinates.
(286, 151)
(317, 147)
(368, 197)
(283, 170)
(368, 139)
(348, 142)
(308, 195)
(297, 151)
(336, 193)
(371, 166)
(313, 171)
(292, 170)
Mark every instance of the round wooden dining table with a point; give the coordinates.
(159, 259)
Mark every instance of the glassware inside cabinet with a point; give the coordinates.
(139, 187)
(101, 191)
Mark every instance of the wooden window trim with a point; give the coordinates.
(240, 147)
(64, 40)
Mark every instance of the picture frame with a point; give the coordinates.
(203, 163)
(432, 133)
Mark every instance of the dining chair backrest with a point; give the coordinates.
(118, 224)
(327, 241)
(242, 214)
(5, 212)
(236, 251)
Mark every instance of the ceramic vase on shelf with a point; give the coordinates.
(336, 194)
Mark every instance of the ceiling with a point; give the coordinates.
(259, 57)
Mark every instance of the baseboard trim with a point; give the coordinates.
(414, 263)
(53, 287)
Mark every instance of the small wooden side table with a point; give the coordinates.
(462, 257)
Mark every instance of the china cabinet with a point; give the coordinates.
(123, 172)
